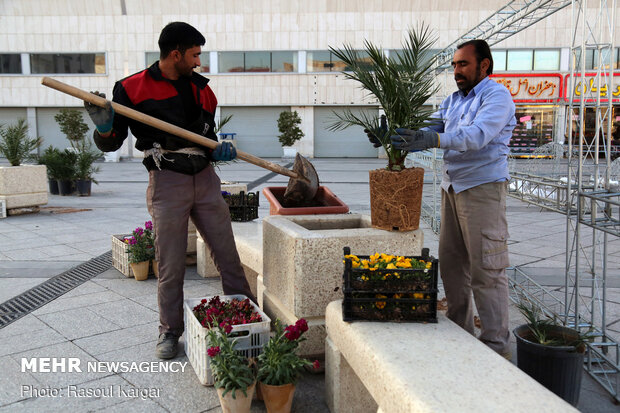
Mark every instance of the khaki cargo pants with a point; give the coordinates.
(172, 198)
(473, 256)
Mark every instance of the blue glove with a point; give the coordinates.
(224, 151)
(414, 140)
(103, 118)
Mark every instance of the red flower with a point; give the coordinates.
(292, 333)
(213, 351)
(316, 364)
(302, 325)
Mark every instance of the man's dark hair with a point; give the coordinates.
(483, 51)
(178, 36)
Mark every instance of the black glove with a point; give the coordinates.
(414, 140)
(224, 151)
(103, 118)
(372, 137)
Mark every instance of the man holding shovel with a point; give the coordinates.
(182, 181)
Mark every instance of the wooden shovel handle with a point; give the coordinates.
(165, 126)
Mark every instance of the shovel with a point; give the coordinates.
(302, 186)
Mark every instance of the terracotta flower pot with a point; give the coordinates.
(240, 404)
(396, 199)
(278, 399)
(140, 270)
(155, 265)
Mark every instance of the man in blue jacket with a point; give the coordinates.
(182, 181)
(474, 126)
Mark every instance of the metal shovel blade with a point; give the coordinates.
(298, 192)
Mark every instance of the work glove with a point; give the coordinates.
(224, 151)
(372, 137)
(103, 118)
(414, 140)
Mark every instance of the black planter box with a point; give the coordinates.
(410, 297)
(243, 207)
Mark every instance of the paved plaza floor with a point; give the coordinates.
(113, 318)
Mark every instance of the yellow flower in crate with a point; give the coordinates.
(380, 304)
(355, 264)
(397, 296)
(391, 266)
(418, 296)
(351, 257)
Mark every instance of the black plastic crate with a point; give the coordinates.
(243, 207)
(401, 294)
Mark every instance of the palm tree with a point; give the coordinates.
(402, 84)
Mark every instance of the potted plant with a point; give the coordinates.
(279, 366)
(65, 174)
(21, 185)
(141, 251)
(402, 84)
(51, 160)
(235, 374)
(288, 125)
(549, 352)
(72, 124)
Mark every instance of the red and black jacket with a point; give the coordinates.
(151, 93)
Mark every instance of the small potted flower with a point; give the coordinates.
(141, 251)
(279, 366)
(234, 373)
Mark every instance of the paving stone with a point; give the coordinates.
(11, 287)
(25, 325)
(63, 303)
(88, 287)
(42, 337)
(11, 381)
(112, 341)
(78, 323)
(125, 313)
(129, 287)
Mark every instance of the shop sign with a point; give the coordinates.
(590, 88)
(534, 88)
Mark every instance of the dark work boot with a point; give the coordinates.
(167, 346)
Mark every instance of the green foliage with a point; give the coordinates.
(67, 161)
(141, 244)
(84, 167)
(288, 125)
(278, 363)
(15, 143)
(51, 158)
(73, 126)
(541, 327)
(223, 121)
(232, 370)
(402, 84)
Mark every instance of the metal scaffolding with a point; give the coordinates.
(575, 181)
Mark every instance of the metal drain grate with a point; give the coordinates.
(38, 296)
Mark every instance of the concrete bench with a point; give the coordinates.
(415, 367)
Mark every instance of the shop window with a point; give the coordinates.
(10, 63)
(326, 61)
(73, 63)
(546, 60)
(499, 60)
(152, 57)
(534, 128)
(589, 131)
(519, 60)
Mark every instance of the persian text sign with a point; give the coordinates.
(542, 88)
(591, 90)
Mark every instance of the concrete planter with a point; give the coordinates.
(302, 265)
(23, 186)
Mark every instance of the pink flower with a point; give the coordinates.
(302, 325)
(213, 351)
(316, 365)
(138, 231)
(292, 333)
(148, 225)
(132, 241)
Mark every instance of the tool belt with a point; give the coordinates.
(157, 153)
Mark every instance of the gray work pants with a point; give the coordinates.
(172, 198)
(473, 255)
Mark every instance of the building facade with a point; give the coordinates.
(266, 56)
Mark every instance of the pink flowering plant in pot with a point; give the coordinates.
(234, 373)
(141, 244)
(279, 366)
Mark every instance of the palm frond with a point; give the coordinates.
(402, 85)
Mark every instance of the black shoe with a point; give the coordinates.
(167, 346)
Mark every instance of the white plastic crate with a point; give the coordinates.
(196, 343)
